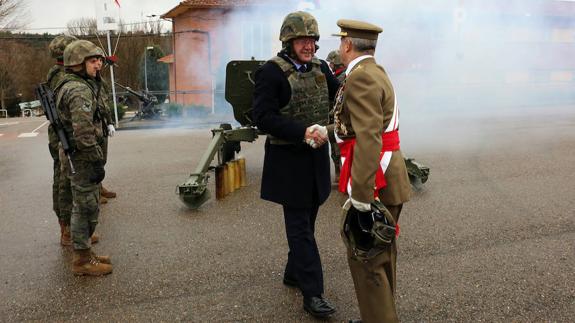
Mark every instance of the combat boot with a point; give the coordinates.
(107, 194)
(85, 264)
(94, 238)
(102, 259)
(65, 236)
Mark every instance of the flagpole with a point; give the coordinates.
(112, 80)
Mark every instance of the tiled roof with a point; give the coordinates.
(222, 3)
(207, 4)
(166, 59)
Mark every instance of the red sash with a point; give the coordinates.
(339, 71)
(389, 142)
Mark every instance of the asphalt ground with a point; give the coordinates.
(491, 237)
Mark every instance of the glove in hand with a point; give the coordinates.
(111, 130)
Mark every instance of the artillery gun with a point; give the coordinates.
(226, 141)
(148, 108)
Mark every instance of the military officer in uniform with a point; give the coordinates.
(338, 70)
(77, 101)
(61, 194)
(291, 104)
(366, 116)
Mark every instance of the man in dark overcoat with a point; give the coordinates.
(291, 104)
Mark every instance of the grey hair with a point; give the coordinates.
(363, 45)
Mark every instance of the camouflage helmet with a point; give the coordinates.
(334, 58)
(79, 50)
(58, 44)
(298, 24)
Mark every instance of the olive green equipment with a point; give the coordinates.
(58, 45)
(78, 51)
(225, 143)
(334, 58)
(148, 108)
(226, 140)
(418, 173)
(298, 24)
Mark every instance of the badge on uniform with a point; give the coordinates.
(87, 107)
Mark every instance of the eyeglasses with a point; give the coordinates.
(304, 41)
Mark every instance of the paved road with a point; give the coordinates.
(490, 238)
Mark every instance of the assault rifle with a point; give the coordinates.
(46, 97)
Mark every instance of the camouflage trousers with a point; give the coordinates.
(85, 201)
(335, 155)
(61, 194)
(104, 145)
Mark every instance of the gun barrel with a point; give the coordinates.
(140, 96)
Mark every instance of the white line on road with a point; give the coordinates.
(42, 125)
(33, 133)
(9, 123)
(27, 135)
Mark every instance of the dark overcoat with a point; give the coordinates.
(294, 175)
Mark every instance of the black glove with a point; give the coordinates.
(98, 172)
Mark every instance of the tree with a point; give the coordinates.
(12, 14)
(82, 27)
(157, 77)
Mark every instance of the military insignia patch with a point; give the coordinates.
(87, 107)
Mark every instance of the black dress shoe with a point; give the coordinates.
(355, 321)
(318, 307)
(291, 282)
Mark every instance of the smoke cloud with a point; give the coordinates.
(448, 61)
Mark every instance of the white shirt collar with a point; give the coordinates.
(297, 66)
(352, 64)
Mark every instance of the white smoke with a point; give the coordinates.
(447, 60)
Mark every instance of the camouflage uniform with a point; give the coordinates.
(61, 194)
(78, 110)
(106, 115)
(339, 72)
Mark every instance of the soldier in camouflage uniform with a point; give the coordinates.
(78, 107)
(338, 69)
(336, 65)
(291, 104)
(109, 126)
(61, 193)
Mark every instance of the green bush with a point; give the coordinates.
(197, 110)
(122, 111)
(173, 110)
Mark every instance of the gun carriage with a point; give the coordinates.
(226, 140)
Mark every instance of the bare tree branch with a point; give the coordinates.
(82, 27)
(12, 14)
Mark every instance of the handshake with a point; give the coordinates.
(315, 136)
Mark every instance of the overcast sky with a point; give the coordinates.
(57, 13)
